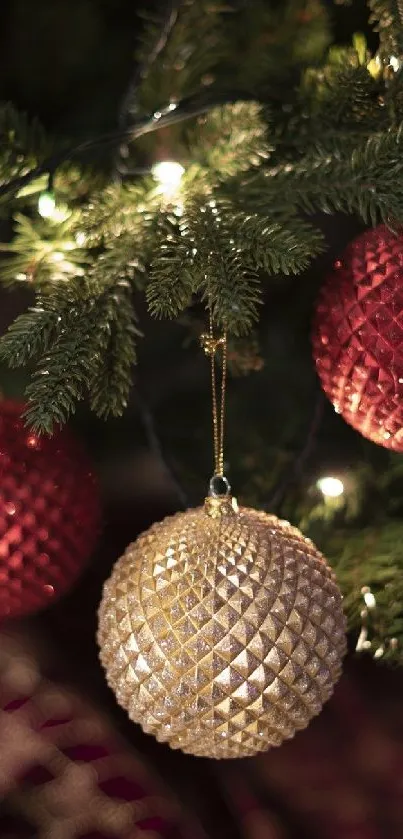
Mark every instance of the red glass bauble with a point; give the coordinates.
(49, 514)
(358, 336)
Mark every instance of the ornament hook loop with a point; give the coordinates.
(219, 486)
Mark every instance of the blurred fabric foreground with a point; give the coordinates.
(65, 771)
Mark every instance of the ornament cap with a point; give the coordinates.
(218, 506)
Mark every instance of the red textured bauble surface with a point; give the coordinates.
(358, 336)
(49, 514)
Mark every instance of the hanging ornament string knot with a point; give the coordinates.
(211, 344)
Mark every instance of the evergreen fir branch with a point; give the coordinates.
(22, 142)
(335, 109)
(171, 281)
(229, 139)
(387, 17)
(221, 274)
(121, 260)
(77, 358)
(275, 40)
(233, 291)
(117, 209)
(343, 94)
(110, 385)
(42, 253)
(195, 48)
(372, 557)
(368, 181)
(63, 375)
(30, 335)
(280, 246)
(216, 251)
(154, 38)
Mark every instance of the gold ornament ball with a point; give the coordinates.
(222, 631)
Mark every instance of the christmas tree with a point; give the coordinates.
(181, 180)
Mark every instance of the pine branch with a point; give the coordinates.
(387, 17)
(22, 142)
(42, 253)
(154, 40)
(121, 260)
(274, 41)
(368, 182)
(192, 52)
(111, 382)
(229, 139)
(372, 557)
(204, 258)
(121, 209)
(281, 246)
(216, 251)
(188, 107)
(171, 284)
(87, 343)
(52, 394)
(30, 335)
(80, 338)
(340, 100)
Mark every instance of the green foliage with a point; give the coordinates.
(228, 140)
(283, 245)
(112, 378)
(215, 252)
(342, 99)
(22, 142)
(372, 558)
(76, 361)
(191, 54)
(269, 47)
(81, 341)
(30, 334)
(202, 257)
(119, 208)
(43, 252)
(387, 17)
(367, 181)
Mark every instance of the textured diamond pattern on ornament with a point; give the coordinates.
(49, 514)
(358, 337)
(222, 636)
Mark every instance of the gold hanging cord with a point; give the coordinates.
(211, 343)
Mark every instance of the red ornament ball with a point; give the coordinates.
(358, 337)
(49, 514)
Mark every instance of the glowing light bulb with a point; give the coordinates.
(80, 238)
(46, 205)
(57, 256)
(169, 175)
(48, 208)
(369, 600)
(330, 487)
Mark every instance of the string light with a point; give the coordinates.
(46, 204)
(47, 207)
(394, 63)
(330, 487)
(168, 173)
(369, 598)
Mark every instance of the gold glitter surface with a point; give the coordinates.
(222, 635)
